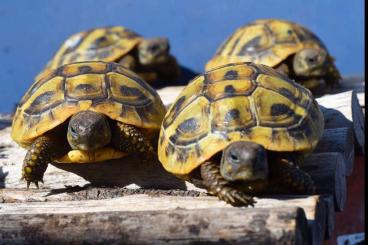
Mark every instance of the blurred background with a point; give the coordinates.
(32, 31)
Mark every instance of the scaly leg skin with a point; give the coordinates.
(41, 153)
(217, 185)
(130, 139)
(288, 174)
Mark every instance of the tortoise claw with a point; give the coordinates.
(235, 197)
(35, 182)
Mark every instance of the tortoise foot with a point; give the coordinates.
(235, 197)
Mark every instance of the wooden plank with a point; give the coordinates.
(339, 140)
(313, 206)
(330, 215)
(236, 226)
(343, 110)
(328, 172)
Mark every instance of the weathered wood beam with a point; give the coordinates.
(343, 110)
(330, 215)
(80, 200)
(179, 226)
(328, 172)
(338, 140)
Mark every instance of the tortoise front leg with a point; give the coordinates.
(288, 174)
(41, 152)
(130, 139)
(217, 185)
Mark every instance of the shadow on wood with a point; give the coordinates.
(125, 171)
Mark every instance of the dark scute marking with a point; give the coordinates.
(288, 94)
(99, 43)
(247, 131)
(231, 115)
(161, 141)
(234, 46)
(129, 91)
(130, 34)
(189, 125)
(51, 115)
(281, 109)
(42, 99)
(143, 112)
(169, 150)
(182, 156)
(296, 133)
(274, 135)
(85, 69)
(229, 89)
(173, 138)
(297, 118)
(178, 104)
(198, 150)
(231, 75)
(85, 87)
(251, 47)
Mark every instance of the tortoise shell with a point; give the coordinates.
(265, 41)
(106, 44)
(102, 87)
(237, 102)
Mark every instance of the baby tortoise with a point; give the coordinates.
(241, 129)
(86, 112)
(283, 45)
(149, 58)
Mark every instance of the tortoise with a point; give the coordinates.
(240, 129)
(86, 112)
(283, 45)
(150, 58)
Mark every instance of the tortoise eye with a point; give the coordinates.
(311, 60)
(73, 131)
(234, 157)
(153, 48)
(289, 32)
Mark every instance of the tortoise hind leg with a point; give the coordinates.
(286, 172)
(218, 186)
(130, 139)
(41, 153)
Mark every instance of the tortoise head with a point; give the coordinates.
(310, 62)
(88, 130)
(244, 161)
(153, 51)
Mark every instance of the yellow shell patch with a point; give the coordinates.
(99, 155)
